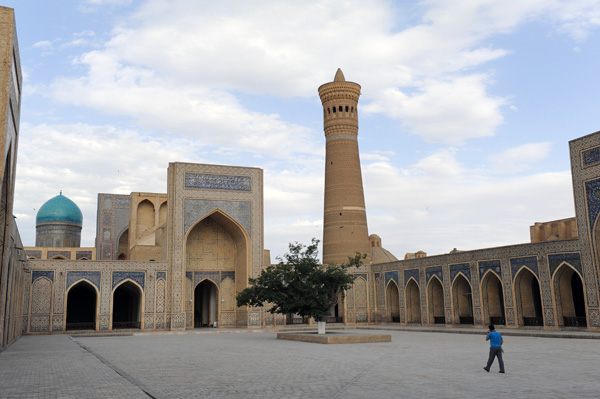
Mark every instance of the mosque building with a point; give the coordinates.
(175, 260)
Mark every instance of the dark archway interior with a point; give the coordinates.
(205, 297)
(578, 300)
(81, 307)
(126, 306)
(537, 298)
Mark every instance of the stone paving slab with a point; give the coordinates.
(257, 365)
(55, 366)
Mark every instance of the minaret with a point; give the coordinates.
(344, 219)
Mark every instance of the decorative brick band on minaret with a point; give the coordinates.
(345, 219)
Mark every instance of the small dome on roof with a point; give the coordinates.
(59, 209)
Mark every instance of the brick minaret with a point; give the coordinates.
(344, 219)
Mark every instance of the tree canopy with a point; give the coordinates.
(299, 284)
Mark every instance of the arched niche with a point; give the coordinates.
(127, 306)
(82, 304)
(462, 300)
(392, 298)
(528, 298)
(218, 243)
(144, 217)
(123, 246)
(435, 301)
(413, 302)
(570, 297)
(493, 299)
(162, 213)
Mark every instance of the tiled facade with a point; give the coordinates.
(545, 261)
(215, 233)
(203, 240)
(12, 256)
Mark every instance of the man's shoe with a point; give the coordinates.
(488, 370)
(502, 372)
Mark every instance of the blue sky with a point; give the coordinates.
(466, 111)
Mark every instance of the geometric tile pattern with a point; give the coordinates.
(414, 273)
(463, 268)
(138, 277)
(391, 276)
(113, 220)
(76, 275)
(434, 271)
(213, 179)
(35, 274)
(486, 265)
(530, 261)
(573, 259)
(196, 209)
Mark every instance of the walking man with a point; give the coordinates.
(496, 342)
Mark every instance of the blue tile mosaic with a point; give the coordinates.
(414, 273)
(42, 273)
(363, 275)
(65, 254)
(83, 254)
(486, 265)
(162, 275)
(590, 157)
(213, 276)
(463, 268)
(218, 182)
(592, 193)
(434, 271)
(75, 275)
(573, 259)
(138, 277)
(196, 209)
(230, 274)
(34, 254)
(391, 276)
(529, 261)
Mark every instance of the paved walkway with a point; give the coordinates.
(253, 364)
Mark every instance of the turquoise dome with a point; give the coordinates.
(59, 209)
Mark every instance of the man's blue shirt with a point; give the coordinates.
(495, 339)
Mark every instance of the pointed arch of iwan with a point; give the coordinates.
(392, 302)
(412, 293)
(528, 300)
(435, 301)
(462, 300)
(569, 294)
(492, 299)
(83, 306)
(219, 243)
(127, 300)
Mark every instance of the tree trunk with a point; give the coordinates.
(321, 327)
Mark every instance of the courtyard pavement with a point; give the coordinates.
(254, 364)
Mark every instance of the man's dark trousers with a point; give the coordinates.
(495, 352)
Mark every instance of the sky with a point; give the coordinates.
(465, 113)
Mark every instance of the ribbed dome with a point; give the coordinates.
(59, 209)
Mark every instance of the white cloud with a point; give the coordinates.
(192, 57)
(106, 2)
(187, 70)
(470, 210)
(44, 44)
(448, 111)
(84, 160)
(520, 158)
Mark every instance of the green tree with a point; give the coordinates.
(300, 284)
